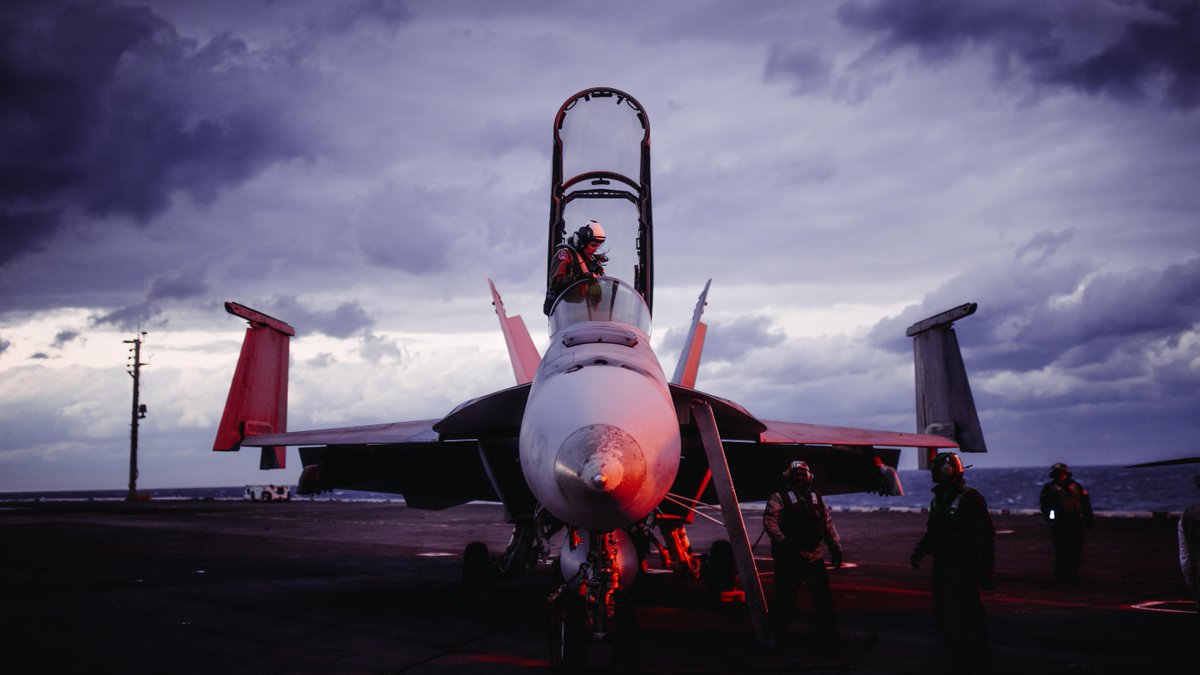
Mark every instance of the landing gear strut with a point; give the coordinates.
(529, 544)
(585, 608)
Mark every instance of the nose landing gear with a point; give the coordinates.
(585, 611)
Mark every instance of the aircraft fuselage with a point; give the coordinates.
(599, 442)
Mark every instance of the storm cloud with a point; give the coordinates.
(162, 290)
(63, 337)
(1057, 315)
(344, 320)
(107, 112)
(360, 170)
(731, 340)
(1126, 50)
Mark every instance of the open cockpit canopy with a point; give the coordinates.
(602, 299)
(601, 171)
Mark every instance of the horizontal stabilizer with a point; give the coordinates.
(521, 350)
(689, 358)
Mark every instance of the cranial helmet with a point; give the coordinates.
(591, 231)
(946, 465)
(798, 474)
(1060, 468)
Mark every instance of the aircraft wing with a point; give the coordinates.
(800, 432)
(842, 457)
(1165, 462)
(468, 455)
(419, 431)
(400, 458)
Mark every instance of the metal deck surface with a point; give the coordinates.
(350, 587)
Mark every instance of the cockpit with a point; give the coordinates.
(600, 299)
(600, 171)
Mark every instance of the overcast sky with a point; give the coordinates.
(360, 169)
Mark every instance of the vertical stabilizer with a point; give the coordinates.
(689, 359)
(945, 406)
(257, 402)
(521, 350)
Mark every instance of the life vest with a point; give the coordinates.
(803, 521)
(950, 528)
(1070, 499)
(577, 267)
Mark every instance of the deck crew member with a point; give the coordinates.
(798, 521)
(1068, 509)
(960, 536)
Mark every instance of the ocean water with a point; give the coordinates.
(1113, 489)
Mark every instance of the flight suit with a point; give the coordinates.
(569, 266)
(961, 538)
(1072, 512)
(797, 527)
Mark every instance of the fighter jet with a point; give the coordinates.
(594, 441)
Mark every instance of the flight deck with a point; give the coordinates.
(353, 587)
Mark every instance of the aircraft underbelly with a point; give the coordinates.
(599, 445)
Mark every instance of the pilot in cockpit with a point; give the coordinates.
(579, 258)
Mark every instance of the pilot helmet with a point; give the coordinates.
(1060, 471)
(945, 466)
(798, 475)
(588, 233)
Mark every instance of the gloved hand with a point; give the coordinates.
(915, 560)
(836, 558)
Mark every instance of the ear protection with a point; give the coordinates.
(591, 231)
(949, 465)
(798, 467)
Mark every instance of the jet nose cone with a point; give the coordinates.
(605, 481)
(601, 465)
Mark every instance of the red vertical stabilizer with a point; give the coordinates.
(521, 350)
(257, 402)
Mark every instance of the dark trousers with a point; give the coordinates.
(960, 615)
(790, 573)
(1068, 548)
